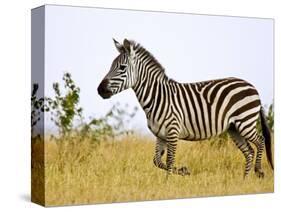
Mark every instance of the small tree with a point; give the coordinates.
(37, 107)
(65, 107)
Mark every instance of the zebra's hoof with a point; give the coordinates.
(174, 170)
(183, 171)
(260, 174)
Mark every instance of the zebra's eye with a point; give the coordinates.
(122, 67)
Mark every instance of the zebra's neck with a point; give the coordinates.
(149, 85)
(152, 81)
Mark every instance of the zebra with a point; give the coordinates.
(189, 111)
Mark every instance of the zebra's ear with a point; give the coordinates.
(127, 46)
(118, 46)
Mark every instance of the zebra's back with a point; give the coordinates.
(207, 108)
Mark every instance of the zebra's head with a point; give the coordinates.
(122, 74)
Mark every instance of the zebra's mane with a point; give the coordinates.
(142, 52)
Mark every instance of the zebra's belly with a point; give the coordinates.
(198, 136)
(185, 133)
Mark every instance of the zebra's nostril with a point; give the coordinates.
(103, 91)
(100, 89)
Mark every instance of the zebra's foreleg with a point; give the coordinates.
(159, 152)
(171, 152)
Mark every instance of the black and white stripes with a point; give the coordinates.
(188, 111)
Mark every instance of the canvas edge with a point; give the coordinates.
(37, 76)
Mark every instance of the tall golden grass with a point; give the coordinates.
(81, 172)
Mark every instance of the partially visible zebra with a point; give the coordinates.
(189, 111)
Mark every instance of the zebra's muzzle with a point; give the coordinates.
(103, 91)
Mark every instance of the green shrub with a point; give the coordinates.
(111, 125)
(64, 108)
(37, 107)
(270, 118)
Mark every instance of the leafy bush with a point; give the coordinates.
(111, 125)
(269, 117)
(37, 107)
(64, 108)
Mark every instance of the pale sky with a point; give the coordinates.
(190, 47)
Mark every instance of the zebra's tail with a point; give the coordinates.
(267, 137)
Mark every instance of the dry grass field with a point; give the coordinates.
(81, 172)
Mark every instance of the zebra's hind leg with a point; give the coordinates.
(159, 152)
(244, 147)
(258, 141)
